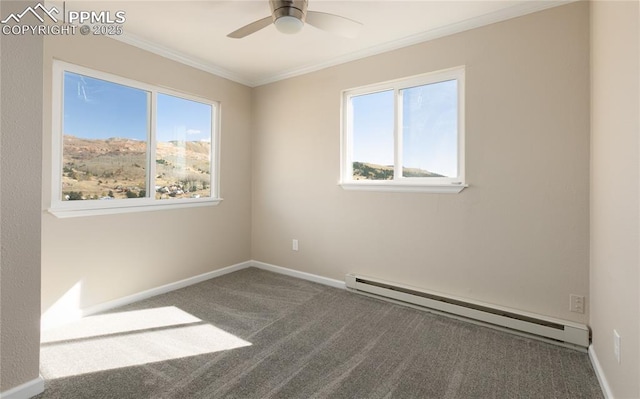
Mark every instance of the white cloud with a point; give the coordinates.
(193, 131)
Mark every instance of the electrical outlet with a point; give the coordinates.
(616, 345)
(294, 245)
(576, 303)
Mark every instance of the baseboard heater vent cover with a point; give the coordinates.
(531, 324)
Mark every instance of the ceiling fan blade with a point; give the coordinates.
(251, 28)
(334, 23)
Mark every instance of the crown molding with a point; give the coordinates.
(498, 16)
(182, 58)
(518, 10)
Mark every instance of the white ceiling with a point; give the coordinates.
(194, 32)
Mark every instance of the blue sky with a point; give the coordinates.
(429, 131)
(373, 128)
(430, 126)
(184, 120)
(97, 109)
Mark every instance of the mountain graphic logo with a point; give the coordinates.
(33, 11)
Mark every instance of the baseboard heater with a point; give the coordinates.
(571, 334)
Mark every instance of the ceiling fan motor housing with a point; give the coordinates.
(288, 8)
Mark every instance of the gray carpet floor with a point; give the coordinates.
(256, 334)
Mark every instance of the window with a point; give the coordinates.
(405, 135)
(124, 146)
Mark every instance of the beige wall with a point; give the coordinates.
(20, 159)
(110, 257)
(615, 185)
(518, 236)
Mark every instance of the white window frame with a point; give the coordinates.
(63, 209)
(400, 183)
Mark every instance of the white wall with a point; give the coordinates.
(518, 236)
(20, 185)
(91, 260)
(615, 185)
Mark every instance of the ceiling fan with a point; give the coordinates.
(289, 16)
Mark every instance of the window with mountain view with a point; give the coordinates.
(124, 144)
(183, 148)
(405, 135)
(105, 139)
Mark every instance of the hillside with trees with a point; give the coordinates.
(115, 168)
(370, 171)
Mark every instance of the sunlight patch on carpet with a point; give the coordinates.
(117, 340)
(121, 322)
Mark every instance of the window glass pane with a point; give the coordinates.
(183, 151)
(430, 130)
(372, 134)
(105, 130)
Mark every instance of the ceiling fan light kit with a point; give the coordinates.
(289, 16)
(288, 25)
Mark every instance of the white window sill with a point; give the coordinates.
(79, 209)
(404, 187)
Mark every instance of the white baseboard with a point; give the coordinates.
(164, 289)
(26, 390)
(604, 385)
(49, 322)
(298, 274)
(103, 307)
